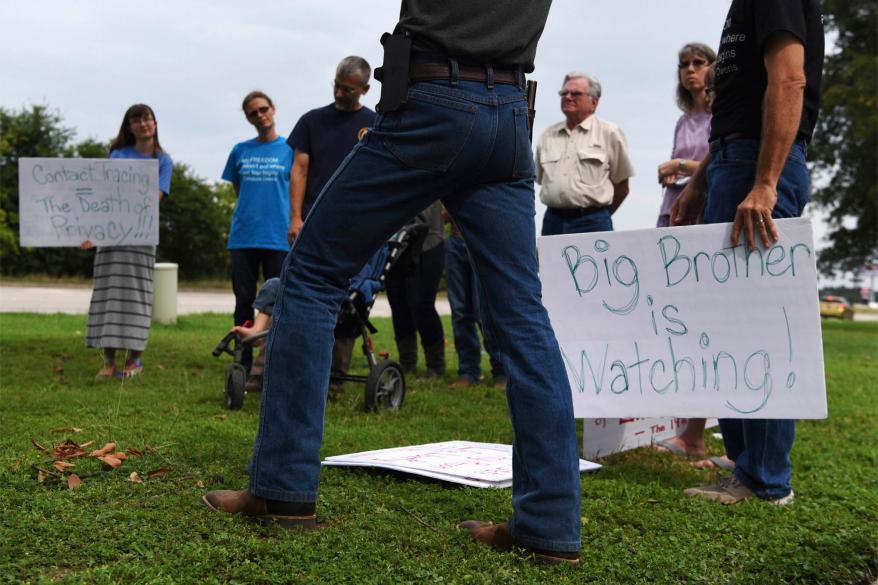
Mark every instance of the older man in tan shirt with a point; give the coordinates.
(582, 163)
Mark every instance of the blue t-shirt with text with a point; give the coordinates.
(262, 215)
(165, 164)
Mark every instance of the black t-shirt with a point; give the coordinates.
(741, 78)
(502, 33)
(327, 134)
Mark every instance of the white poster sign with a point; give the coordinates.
(677, 322)
(65, 201)
(486, 465)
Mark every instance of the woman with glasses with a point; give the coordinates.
(694, 81)
(693, 127)
(259, 171)
(120, 312)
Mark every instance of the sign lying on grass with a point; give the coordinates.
(484, 465)
(677, 322)
(65, 201)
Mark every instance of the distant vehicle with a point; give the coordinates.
(833, 307)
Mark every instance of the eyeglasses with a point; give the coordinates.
(257, 111)
(345, 89)
(574, 94)
(696, 63)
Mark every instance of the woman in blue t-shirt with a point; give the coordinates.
(259, 170)
(120, 312)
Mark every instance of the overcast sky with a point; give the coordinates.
(194, 60)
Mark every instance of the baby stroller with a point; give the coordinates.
(385, 384)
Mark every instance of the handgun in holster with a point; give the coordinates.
(394, 72)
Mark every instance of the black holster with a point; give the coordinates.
(394, 72)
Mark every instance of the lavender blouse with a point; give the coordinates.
(691, 137)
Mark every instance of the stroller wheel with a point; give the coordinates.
(385, 388)
(236, 377)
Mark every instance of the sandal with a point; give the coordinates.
(132, 368)
(107, 372)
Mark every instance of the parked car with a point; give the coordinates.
(833, 307)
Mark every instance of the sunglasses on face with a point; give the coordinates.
(696, 63)
(257, 111)
(574, 94)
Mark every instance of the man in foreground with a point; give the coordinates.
(582, 163)
(462, 129)
(767, 90)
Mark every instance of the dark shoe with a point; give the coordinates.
(434, 357)
(408, 353)
(253, 383)
(497, 537)
(262, 511)
(463, 382)
(334, 392)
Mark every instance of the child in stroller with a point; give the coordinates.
(385, 384)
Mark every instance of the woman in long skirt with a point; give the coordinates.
(121, 303)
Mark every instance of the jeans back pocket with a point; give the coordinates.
(430, 131)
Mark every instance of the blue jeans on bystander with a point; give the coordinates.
(464, 298)
(760, 448)
(469, 139)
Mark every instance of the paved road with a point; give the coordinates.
(46, 299)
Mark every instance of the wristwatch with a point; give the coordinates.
(682, 163)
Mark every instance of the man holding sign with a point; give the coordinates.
(767, 87)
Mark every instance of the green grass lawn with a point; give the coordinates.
(381, 528)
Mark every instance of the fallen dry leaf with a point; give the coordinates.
(73, 481)
(41, 477)
(87, 444)
(106, 449)
(120, 455)
(40, 447)
(221, 417)
(62, 466)
(135, 452)
(66, 430)
(134, 478)
(150, 449)
(158, 472)
(111, 461)
(199, 484)
(68, 450)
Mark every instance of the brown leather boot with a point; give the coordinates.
(497, 537)
(262, 511)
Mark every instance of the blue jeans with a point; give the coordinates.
(472, 141)
(463, 296)
(759, 448)
(597, 220)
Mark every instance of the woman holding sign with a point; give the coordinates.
(121, 303)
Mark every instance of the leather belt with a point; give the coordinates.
(430, 71)
(570, 212)
(717, 145)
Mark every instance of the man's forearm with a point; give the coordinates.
(620, 192)
(781, 114)
(699, 177)
(297, 194)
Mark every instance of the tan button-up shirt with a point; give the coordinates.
(577, 168)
